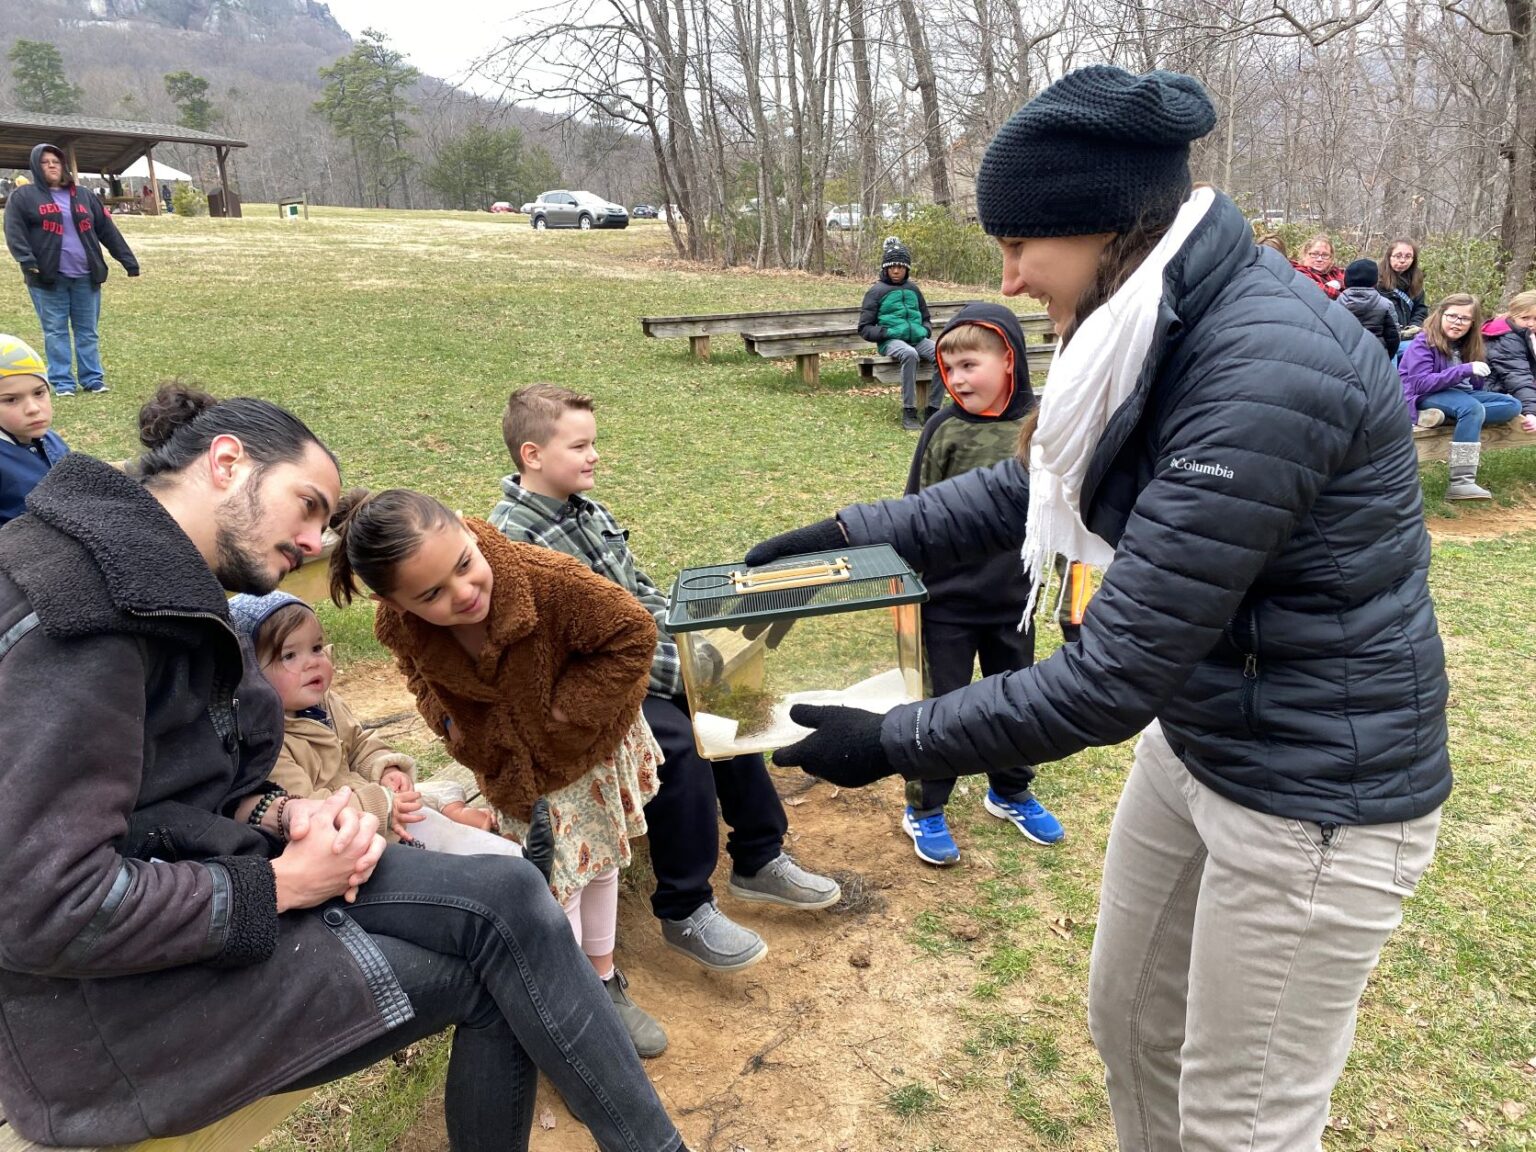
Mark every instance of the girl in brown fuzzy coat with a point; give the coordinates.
(532, 668)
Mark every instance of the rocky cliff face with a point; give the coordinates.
(256, 19)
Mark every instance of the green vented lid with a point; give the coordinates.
(816, 584)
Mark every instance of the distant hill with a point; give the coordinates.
(262, 60)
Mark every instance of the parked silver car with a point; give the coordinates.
(584, 210)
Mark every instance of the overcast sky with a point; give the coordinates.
(440, 36)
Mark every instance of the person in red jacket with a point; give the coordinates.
(1317, 265)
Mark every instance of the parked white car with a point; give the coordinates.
(845, 217)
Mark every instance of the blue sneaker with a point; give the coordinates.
(930, 837)
(1028, 815)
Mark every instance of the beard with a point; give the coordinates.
(239, 565)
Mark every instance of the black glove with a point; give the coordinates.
(776, 629)
(822, 536)
(844, 749)
(539, 847)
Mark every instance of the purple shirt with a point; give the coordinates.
(1425, 370)
(72, 260)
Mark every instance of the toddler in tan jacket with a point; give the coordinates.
(325, 749)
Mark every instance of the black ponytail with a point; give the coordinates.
(376, 532)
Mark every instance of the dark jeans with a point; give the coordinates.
(478, 942)
(684, 814)
(950, 652)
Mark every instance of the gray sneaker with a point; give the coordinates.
(714, 940)
(647, 1036)
(782, 881)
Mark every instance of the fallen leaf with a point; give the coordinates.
(793, 801)
(1338, 1123)
(546, 1118)
(1495, 789)
(1062, 926)
(1513, 1111)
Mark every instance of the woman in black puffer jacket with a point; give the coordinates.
(1233, 446)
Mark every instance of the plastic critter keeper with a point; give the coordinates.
(855, 640)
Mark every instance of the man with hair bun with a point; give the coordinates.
(180, 936)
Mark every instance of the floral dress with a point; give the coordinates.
(596, 817)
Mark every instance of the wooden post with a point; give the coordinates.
(154, 185)
(809, 366)
(699, 347)
(69, 158)
(221, 155)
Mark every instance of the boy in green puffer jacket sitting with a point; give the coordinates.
(894, 318)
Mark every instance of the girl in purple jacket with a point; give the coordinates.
(1444, 370)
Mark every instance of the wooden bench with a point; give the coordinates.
(807, 345)
(239, 1132)
(1434, 444)
(888, 371)
(700, 328)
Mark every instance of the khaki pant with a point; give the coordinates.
(1231, 951)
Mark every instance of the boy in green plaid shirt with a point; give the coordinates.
(551, 433)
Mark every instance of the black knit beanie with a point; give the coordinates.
(1360, 274)
(1095, 152)
(893, 253)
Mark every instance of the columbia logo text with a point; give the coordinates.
(1185, 464)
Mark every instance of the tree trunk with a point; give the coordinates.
(681, 148)
(1520, 208)
(400, 158)
(928, 91)
(864, 112)
(817, 61)
(1022, 46)
(720, 175)
(1397, 195)
(991, 101)
(749, 47)
(794, 177)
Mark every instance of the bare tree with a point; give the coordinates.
(928, 91)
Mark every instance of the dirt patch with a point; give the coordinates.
(1483, 522)
(805, 1050)
(376, 692)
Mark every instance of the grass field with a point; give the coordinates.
(945, 1012)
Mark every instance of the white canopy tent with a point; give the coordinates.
(164, 173)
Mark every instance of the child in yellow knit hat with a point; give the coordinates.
(28, 446)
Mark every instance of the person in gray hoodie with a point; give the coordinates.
(55, 229)
(1369, 306)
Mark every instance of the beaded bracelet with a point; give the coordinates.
(277, 816)
(254, 819)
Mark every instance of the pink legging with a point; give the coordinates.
(594, 914)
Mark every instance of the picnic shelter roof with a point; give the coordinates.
(100, 145)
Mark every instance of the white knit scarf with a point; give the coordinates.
(1088, 381)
